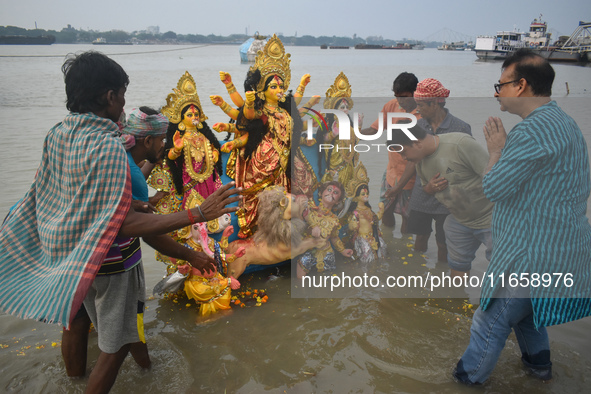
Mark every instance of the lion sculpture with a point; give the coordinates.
(280, 233)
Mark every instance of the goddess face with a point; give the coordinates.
(343, 106)
(331, 196)
(275, 91)
(363, 196)
(191, 118)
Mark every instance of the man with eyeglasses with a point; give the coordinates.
(539, 179)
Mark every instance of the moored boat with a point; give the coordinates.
(454, 46)
(398, 46)
(377, 46)
(250, 48)
(103, 41)
(27, 40)
(368, 46)
(498, 47)
(576, 49)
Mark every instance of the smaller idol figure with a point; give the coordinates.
(214, 293)
(193, 158)
(324, 224)
(362, 222)
(338, 164)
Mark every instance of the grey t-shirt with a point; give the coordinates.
(419, 200)
(461, 160)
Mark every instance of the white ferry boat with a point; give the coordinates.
(505, 42)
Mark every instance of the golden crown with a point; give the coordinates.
(272, 60)
(341, 88)
(184, 94)
(359, 178)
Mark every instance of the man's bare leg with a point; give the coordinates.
(105, 371)
(388, 218)
(442, 252)
(74, 346)
(421, 242)
(403, 226)
(139, 352)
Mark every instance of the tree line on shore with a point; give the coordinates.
(70, 35)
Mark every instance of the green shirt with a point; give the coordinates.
(460, 160)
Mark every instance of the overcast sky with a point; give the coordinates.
(419, 19)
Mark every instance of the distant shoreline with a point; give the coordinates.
(70, 35)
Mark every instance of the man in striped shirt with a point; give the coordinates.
(540, 270)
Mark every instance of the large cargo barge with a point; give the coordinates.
(27, 40)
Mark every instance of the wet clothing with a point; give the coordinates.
(489, 333)
(115, 305)
(55, 240)
(540, 187)
(116, 300)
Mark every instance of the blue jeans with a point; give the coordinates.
(463, 242)
(489, 332)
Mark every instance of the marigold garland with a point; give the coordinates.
(241, 299)
(259, 296)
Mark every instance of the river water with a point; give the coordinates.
(362, 342)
